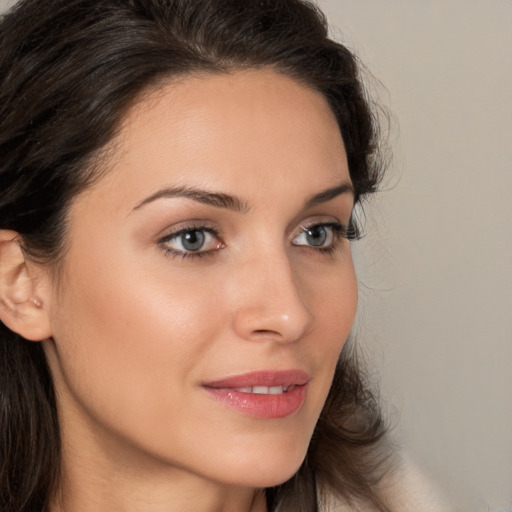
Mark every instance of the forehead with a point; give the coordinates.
(240, 131)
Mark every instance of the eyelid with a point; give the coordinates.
(339, 226)
(336, 231)
(180, 230)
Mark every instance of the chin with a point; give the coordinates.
(267, 466)
(271, 476)
(277, 477)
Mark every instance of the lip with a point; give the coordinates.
(262, 378)
(263, 406)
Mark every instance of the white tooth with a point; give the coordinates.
(275, 390)
(260, 390)
(244, 390)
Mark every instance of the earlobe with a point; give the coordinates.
(22, 308)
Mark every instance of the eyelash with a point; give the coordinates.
(339, 231)
(189, 254)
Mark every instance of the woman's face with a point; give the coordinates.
(208, 286)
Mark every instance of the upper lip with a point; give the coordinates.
(285, 378)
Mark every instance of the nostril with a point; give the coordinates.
(266, 333)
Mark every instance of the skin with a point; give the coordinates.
(136, 328)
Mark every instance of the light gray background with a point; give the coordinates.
(435, 268)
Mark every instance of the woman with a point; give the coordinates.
(178, 179)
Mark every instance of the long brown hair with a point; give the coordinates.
(69, 70)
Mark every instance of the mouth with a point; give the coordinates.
(263, 394)
(264, 390)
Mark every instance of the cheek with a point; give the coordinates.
(332, 298)
(129, 338)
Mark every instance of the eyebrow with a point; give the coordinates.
(221, 200)
(331, 193)
(216, 199)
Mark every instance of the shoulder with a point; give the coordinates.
(405, 488)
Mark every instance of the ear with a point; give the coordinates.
(22, 289)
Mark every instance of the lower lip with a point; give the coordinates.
(262, 406)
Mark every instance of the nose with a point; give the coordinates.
(270, 305)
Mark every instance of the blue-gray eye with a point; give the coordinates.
(316, 235)
(319, 235)
(192, 240)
